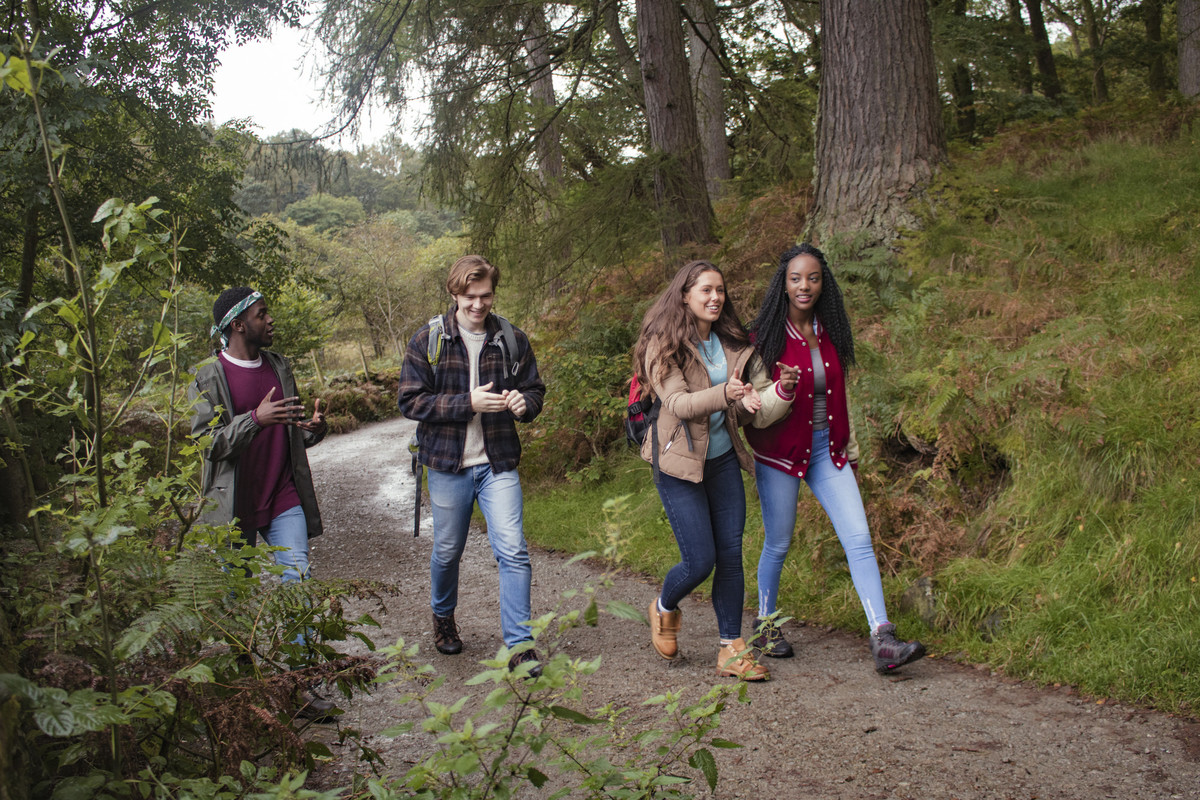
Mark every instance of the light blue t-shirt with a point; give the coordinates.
(713, 356)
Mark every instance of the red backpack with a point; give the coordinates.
(640, 414)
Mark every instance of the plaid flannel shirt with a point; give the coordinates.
(441, 403)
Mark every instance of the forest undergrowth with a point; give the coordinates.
(1025, 397)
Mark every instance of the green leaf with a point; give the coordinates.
(725, 744)
(622, 610)
(591, 614)
(196, 673)
(562, 712)
(55, 719)
(110, 206)
(318, 749)
(536, 777)
(15, 73)
(704, 761)
(79, 788)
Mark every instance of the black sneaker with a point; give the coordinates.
(316, 708)
(445, 635)
(889, 652)
(768, 640)
(526, 657)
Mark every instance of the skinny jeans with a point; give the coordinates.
(708, 519)
(837, 492)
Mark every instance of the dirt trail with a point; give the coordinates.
(825, 726)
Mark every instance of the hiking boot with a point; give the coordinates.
(526, 657)
(316, 708)
(736, 660)
(445, 635)
(889, 652)
(769, 640)
(664, 630)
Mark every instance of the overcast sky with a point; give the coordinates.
(271, 83)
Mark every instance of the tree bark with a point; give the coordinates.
(1096, 46)
(685, 214)
(963, 86)
(628, 59)
(1156, 74)
(541, 89)
(1188, 47)
(879, 130)
(708, 86)
(1043, 56)
(1022, 74)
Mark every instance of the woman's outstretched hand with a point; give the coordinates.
(789, 376)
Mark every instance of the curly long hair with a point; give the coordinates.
(767, 330)
(668, 326)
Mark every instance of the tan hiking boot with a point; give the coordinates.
(664, 630)
(736, 660)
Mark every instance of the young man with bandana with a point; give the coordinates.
(256, 469)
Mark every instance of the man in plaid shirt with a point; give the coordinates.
(466, 400)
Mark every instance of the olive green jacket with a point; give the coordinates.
(231, 435)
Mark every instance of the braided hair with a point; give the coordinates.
(767, 330)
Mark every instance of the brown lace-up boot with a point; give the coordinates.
(664, 630)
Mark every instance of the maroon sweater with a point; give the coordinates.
(265, 488)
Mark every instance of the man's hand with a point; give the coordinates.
(285, 411)
(485, 400)
(317, 424)
(515, 402)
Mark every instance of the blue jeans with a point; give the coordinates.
(454, 494)
(837, 492)
(289, 530)
(708, 519)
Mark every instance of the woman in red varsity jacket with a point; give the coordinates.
(803, 331)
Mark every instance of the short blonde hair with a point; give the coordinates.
(469, 269)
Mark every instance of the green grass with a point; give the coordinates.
(1028, 415)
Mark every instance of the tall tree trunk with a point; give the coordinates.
(1156, 75)
(541, 89)
(704, 41)
(629, 62)
(685, 214)
(879, 130)
(1043, 56)
(1021, 73)
(1096, 46)
(962, 86)
(1189, 47)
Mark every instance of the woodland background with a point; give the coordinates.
(1007, 190)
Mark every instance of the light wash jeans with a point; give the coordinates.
(454, 494)
(708, 520)
(837, 492)
(289, 530)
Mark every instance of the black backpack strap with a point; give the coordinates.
(510, 346)
(417, 472)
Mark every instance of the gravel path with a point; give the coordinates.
(825, 726)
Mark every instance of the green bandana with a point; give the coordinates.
(241, 306)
